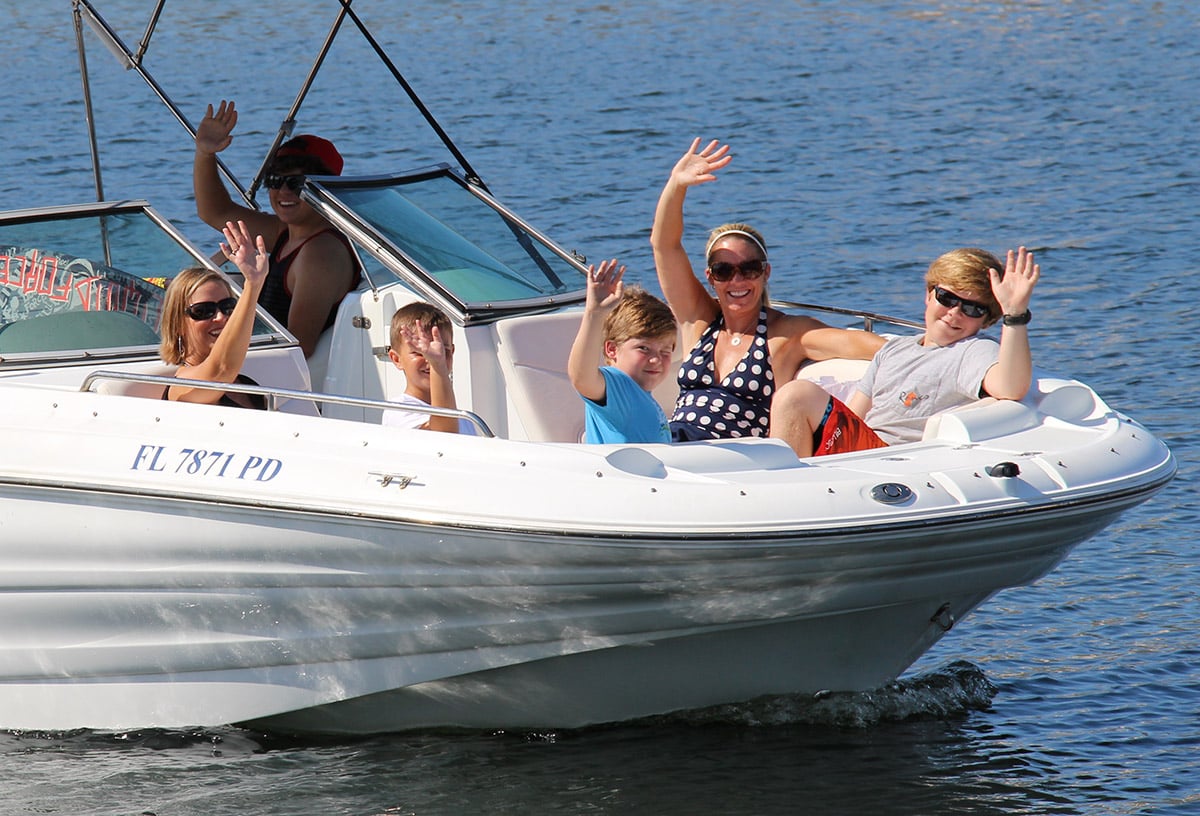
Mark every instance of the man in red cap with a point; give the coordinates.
(312, 266)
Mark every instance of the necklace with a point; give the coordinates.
(734, 340)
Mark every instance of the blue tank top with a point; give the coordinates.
(739, 405)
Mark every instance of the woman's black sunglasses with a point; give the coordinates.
(207, 309)
(275, 181)
(969, 307)
(723, 271)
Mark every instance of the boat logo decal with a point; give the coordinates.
(34, 282)
(201, 462)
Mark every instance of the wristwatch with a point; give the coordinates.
(1018, 320)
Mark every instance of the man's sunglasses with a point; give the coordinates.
(723, 271)
(969, 307)
(207, 309)
(274, 181)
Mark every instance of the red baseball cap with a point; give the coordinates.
(312, 154)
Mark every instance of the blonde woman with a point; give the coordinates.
(206, 329)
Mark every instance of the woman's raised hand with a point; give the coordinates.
(250, 254)
(698, 166)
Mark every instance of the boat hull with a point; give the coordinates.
(141, 612)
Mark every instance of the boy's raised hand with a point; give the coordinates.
(604, 285)
(427, 341)
(1014, 291)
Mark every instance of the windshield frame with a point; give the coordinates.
(329, 194)
(157, 236)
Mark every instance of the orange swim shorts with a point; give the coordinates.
(841, 430)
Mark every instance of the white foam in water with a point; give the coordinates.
(954, 689)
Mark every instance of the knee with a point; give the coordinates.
(799, 397)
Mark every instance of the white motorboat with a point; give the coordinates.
(307, 569)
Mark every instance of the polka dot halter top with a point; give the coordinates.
(739, 405)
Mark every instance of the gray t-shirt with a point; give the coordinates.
(908, 382)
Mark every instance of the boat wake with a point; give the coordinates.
(952, 690)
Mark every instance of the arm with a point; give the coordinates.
(224, 362)
(823, 343)
(441, 389)
(604, 290)
(806, 338)
(859, 403)
(214, 206)
(320, 276)
(693, 306)
(1012, 374)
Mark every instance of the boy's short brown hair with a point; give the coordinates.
(966, 271)
(638, 314)
(425, 315)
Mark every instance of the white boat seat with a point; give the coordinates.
(138, 389)
(837, 376)
(533, 352)
(983, 419)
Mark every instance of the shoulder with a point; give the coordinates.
(328, 242)
(617, 381)
(977, 346)
(782, 324)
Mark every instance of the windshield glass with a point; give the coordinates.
(471, 250)
(85, 280)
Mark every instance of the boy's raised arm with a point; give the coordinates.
(1012, 374)
(604, 289)
(428, 341)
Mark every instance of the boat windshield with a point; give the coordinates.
(77, 280)
(458, 241)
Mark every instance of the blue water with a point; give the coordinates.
(868, 138)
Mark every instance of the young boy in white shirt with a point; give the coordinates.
(422, 346)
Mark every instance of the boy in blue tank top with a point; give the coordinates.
(634, 332)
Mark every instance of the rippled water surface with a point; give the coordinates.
(868, 138)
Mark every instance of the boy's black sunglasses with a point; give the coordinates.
(207, 309)
(273, 181)
(723, 271)
(969, 307)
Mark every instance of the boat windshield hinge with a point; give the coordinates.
(361, 322)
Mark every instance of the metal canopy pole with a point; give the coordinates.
(84, 10)
(469, 171)
(289, 122)
(87, 104)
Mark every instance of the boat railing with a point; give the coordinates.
(274, 397)
(869, 319)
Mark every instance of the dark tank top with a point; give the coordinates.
(276, 298)
(257, 401)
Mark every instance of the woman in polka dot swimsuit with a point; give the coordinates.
(740, 346)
